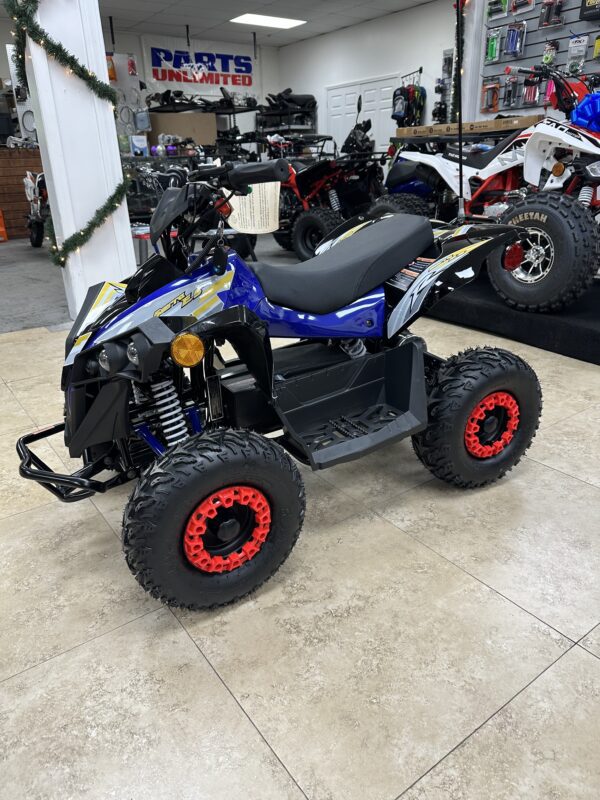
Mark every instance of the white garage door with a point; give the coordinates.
(377, 106)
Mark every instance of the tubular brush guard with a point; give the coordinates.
(68, 488)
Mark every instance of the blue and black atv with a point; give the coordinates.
(212, 444)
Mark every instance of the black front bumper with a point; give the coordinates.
(67, 488)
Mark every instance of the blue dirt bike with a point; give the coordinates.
(219, 501)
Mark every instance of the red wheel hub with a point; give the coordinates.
(227, 529)
(491, 425)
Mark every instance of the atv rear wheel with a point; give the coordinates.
(561, 254)
(310, 228)
(36, 232)
(401, 204)
(484, 410)
(213, 519)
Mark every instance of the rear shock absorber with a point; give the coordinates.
(334, 200)
(586, 195)
(170, 412)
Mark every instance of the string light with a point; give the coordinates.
(24, 12)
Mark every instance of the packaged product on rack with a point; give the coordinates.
(511, 91)
(519, 6)
(551, 14)
(493, 39)
(576, 54)
(497, 8)
(490, 96)
(515, 38)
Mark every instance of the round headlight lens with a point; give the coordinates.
(132, 353)
(104, 360)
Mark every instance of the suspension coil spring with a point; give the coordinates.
(334, 200)
(586, 195)
(170, 412)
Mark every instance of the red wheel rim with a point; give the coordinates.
(491, 425)
(203, 542)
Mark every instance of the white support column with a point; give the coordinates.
(475, 29)
(78, 143)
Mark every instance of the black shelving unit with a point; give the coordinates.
(274, 121)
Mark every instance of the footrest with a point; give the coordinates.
(349, 436)
(345, 411)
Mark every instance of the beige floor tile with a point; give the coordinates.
(16, 493)
(41, 397)
(572, 446)
(325, 504)
(112, 504)
(135, 714)
(591, 642)
(64, 580)
(14, 418)
(34, 352)
(385, 472)
(542, 746)
(367, 657)
(533, 536)
(568, 385)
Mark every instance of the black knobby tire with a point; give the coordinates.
(167, 496)
(283, 239)
(401, 204)
(36, 233)
(575, 239)
(460, 384)
(241, 243)
(310, 228)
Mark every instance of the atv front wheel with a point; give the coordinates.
(402, 203)
(562, 248)
(284, 239)
(484, 410)
(213, 519)
(310, 228)
(36, 233)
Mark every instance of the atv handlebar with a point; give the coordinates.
(239, 175)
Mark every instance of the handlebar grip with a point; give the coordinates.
(258, 172)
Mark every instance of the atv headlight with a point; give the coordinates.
(104, 360)
(593, 170)
(133, 354)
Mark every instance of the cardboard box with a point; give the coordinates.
(480, 126)
(199, 126)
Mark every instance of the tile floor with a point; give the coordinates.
(421, 641)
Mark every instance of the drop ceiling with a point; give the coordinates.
(210, 20)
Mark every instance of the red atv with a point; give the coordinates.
(317, 198)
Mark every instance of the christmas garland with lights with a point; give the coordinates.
(23, 14)
(459, 48)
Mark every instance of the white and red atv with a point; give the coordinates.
(545, 177)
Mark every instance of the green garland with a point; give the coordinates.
(72, 243)
(23, 13)
(459, 47)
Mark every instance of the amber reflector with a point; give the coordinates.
(558, 169)
(187, 350)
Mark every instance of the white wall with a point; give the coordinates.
(390, 45)
(6, 26)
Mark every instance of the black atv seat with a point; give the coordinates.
(481, 159)
(348, 270)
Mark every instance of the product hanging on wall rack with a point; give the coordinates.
(497, 8)
(515, 38)
(551, 14)
(519, 6)
(408, 103)
(550, 50)
(511, 91)
(590, 10)
(531, 90)
(493, 40)
(490, 97)
(576, 54)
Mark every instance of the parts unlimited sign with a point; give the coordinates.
(216, 69)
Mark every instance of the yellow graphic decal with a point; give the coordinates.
(81, 340)
(107, 293)
(208, 294)
(351, 232)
